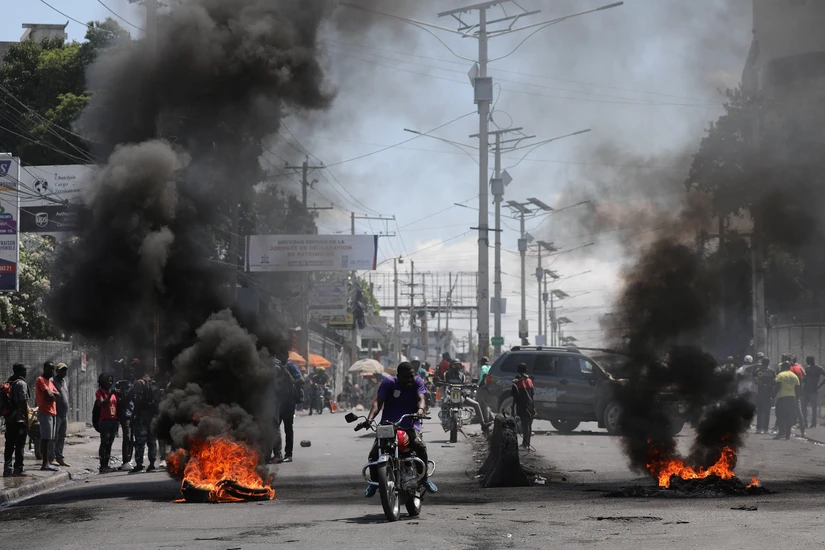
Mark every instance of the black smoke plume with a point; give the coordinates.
(181, 126)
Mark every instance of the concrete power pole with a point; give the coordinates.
(396, 314)
(305, 183)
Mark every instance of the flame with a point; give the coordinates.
(663, 468)
(209, 464)
(754, 482)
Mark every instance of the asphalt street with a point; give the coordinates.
(319, 503)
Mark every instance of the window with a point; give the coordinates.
(544, 364)
(568, 366)
(511, 362)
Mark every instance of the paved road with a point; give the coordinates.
(319, 503)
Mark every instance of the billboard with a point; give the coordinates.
(327, 301)
(46, 186)
(9, 219)
(268, 253)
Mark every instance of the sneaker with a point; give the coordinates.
(125, 467)
(49, 468)
(371, 490)
(106, 470)
(20, 474)
(63, 463)
(430, 486)
(7, 474)
(151, 467)
(54, 462)
(136, 469)
(162, 465)
(289, 459)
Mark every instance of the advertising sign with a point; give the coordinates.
(45, 188)
(268, 253)
(327, 301)
(9, 218)
(50, 219)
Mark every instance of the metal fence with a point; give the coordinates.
(83, 370)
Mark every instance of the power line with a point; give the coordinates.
(73, 19)
(113, 12)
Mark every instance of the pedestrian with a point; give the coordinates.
(61, 383)
(745, 382)
(147, 398)
(787, 396)
(523, 403)
(16, 414)
(286, 414)
(484, 373)
(46, 399)
(799, 371)
(765, 378)
(810, 390)
(124, 391)
(444, 366)
(106, 410)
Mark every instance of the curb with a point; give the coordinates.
(29, 490)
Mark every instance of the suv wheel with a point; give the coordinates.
(565, 426)
(506, 406)
(611, 417)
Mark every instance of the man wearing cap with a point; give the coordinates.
(484, 373)
(17, 422)
(61, 383)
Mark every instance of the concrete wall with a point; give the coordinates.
(785, 28)
(33, 353)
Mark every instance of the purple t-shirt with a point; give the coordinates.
(400, 400)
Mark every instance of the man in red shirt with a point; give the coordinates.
(523, 403)
(106, 404)
(46, 398)
(444, 366)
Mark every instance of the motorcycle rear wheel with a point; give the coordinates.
(389, 497)
(413, 505)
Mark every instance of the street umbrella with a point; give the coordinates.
(296, 358)
(366, 366)
(318, 361)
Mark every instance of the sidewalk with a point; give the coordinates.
(81, 452)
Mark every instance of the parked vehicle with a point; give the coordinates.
(399, 472)
(570, 388)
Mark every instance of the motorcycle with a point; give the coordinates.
(453, 413)
(399, 472)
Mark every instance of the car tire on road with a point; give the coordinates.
(565, 426)
(611, 417)
(506, 406)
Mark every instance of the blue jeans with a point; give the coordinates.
(57, 444)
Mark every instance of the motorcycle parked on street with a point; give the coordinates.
(398, 471)
(453, 414)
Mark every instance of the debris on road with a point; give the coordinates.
(708, 487)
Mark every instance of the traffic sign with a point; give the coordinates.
(497, 340)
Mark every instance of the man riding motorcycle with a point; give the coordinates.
(399, 395)
(421, 371)
(455, 375)
(319, 381)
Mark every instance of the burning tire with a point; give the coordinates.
(612, 417)
(565, 426)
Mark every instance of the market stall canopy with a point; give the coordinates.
(367, 366)
(314, 360)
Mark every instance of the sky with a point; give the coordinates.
(645, 78)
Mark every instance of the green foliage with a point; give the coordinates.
(21, 313)
(47, 82)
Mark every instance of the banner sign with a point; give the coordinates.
(51, 219)
(54, 183)
(267, 253)
(327, 301)
(9, 218)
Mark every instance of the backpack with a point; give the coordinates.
(6, 406)
(96, 416)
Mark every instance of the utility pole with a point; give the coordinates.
(539, 275)
(447, 322)
(305, 183)
(396, 313)
(438, 327)
(151, 25)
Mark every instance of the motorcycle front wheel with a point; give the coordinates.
(413, 505)
(389, 496)
(453, 430)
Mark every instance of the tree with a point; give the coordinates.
(22, 314)
(44, 84)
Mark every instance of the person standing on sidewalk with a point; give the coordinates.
(17, 422)
(61, 383)
(810, 390)
(106, 405)
(787, 398)
(765, 379)
(147, 397)
(125, 411)
(523, 403)
(286, 414)
(46, 396)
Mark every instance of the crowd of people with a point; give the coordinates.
(791, 388)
